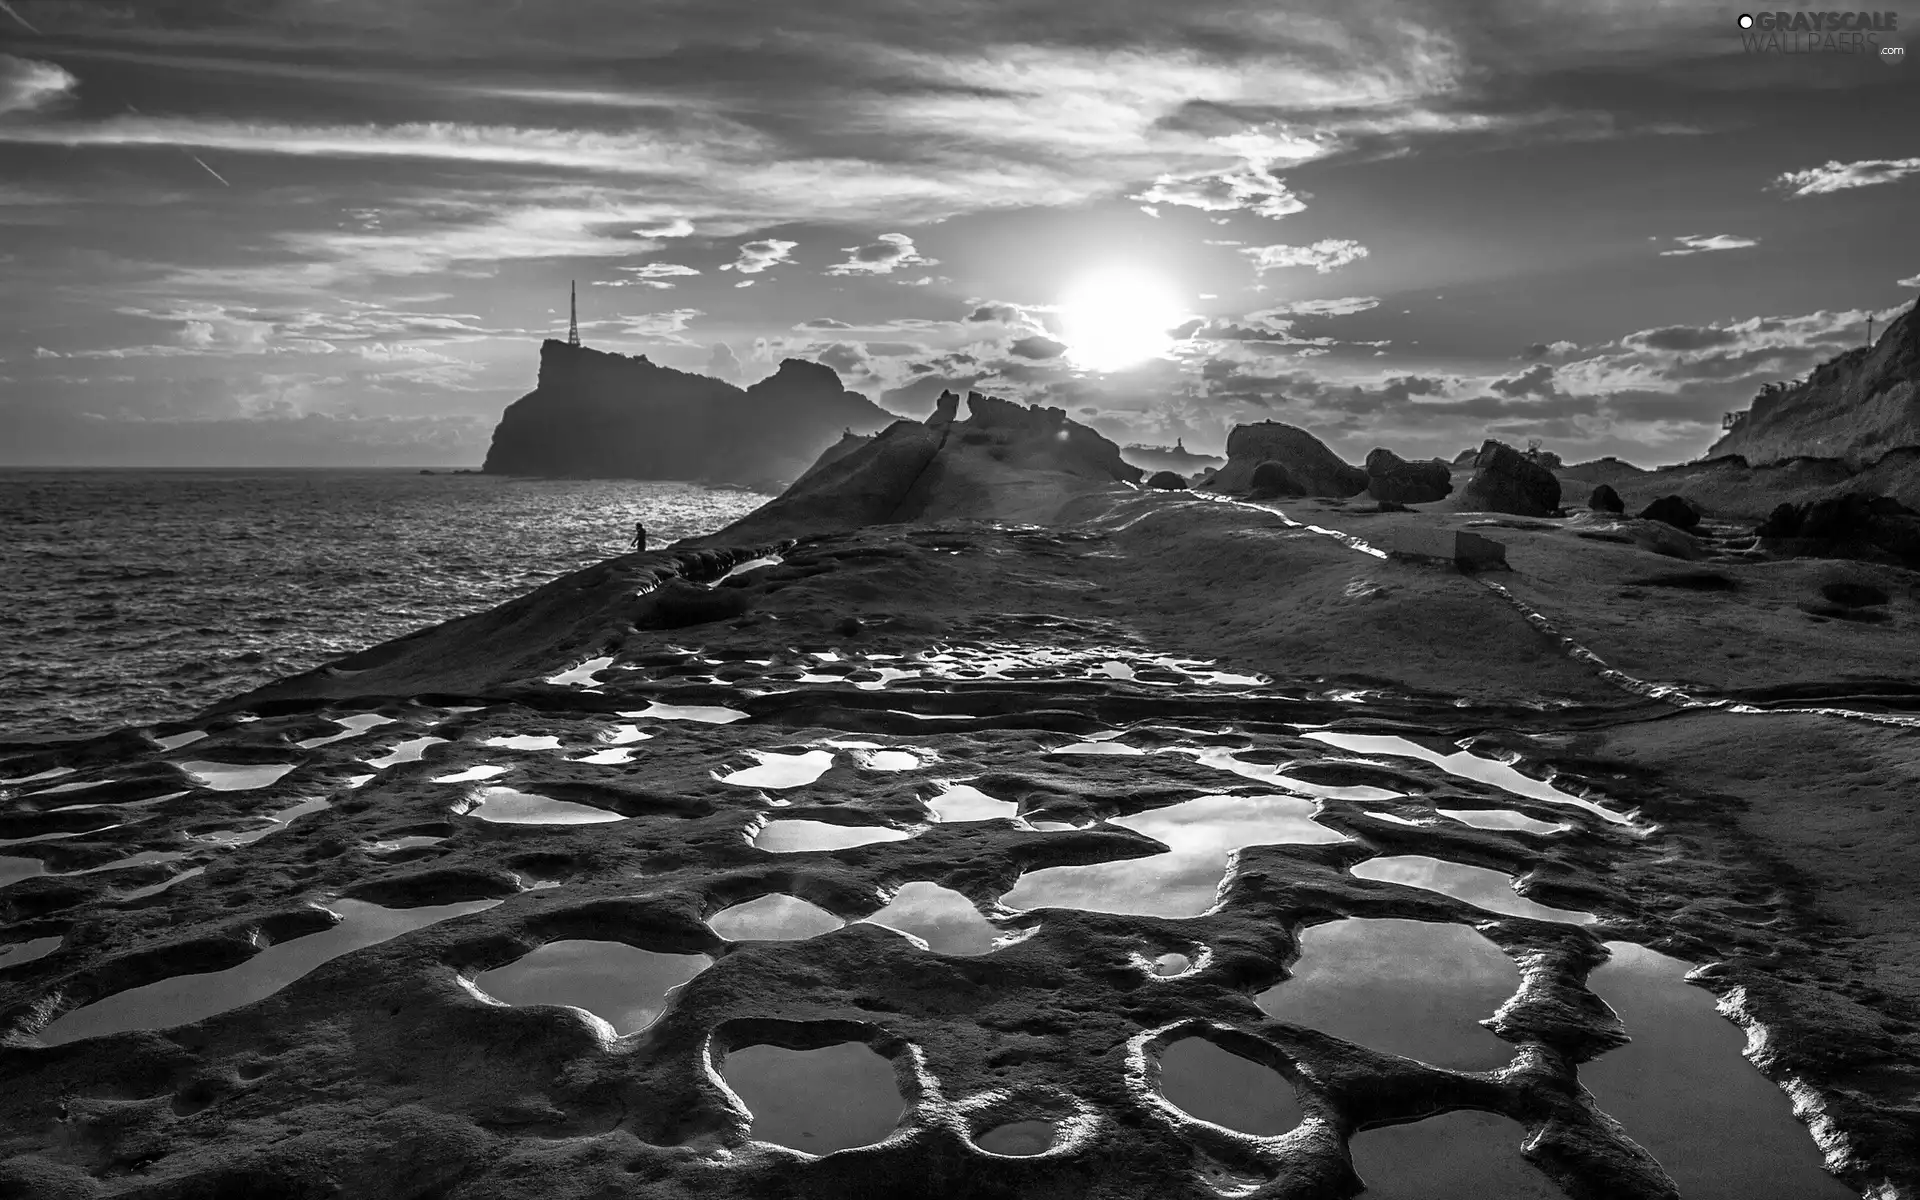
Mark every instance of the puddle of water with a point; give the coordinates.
(471, 774)
(582, 675)
(773, 918)
(281, 819)
(49, 773)
(778, 770)
(13, 869)
(1462, 1155)
(154, 889)
(14, 953)
(622, 735)
(1204, 1081)
(121, 804)
(510, 806)
(752, 564)
(1683, 1089)
(889, 760)
(1017, 1139)
(1223, 760)
(1395, 820)
(187, 998)
(1169, 965)
(141, 859)
(942, 918)
(887, 676)
(1498, 818)
(524, 741)
(232, 777)
(1413, 988)
(789, 837)
(389, 845)
(1184, 881)
(711, 714)
(354, 781)
(1479, 886)
(816, 1101)
(1466, 765)
(353, 726)
(410, 750)
(64, 788)
(628, 988)
(606, 758)
(54, 837)
(964, 803)
(1097, 748)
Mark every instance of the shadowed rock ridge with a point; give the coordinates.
(1856, 407)
(1309, 462)
(598, 414)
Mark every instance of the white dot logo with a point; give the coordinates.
(1746, 21)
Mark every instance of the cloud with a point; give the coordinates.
(1837, 176)
(1251, 187)
(657, 327)
(660, 270)
(721, 363)
(756, 257)
(1038, 347)
(1540, 350)
(823, 323)
(1912, 281)
(1323, 256)
(1344, 306)
(1697, 243)
(1535, 381)
(27, 83)
(881, 257)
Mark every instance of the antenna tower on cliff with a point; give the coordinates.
(1869, 329)
(573, 314)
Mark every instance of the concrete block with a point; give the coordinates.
(1469, 551)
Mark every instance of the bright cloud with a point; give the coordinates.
(1837, 176)
(1698, 243)
(1323, 256)
(756, 257)
(881, 256)
(27, 83)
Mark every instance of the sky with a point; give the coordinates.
(333, 232)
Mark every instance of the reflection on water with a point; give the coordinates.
(1098, 748)
(603, 758)
(962, 802)
(1017, 1139)
(778, 770)
(187, 998)
(1204, 1081)
(1182, 882)
(1466, 766)
(818, 1101)
(1413, 988)
(623, 986)
(1223, 760)
(711, 714)
(471, 774)
(233, 777)
(1498, 818)
(410, 750)
(175, 741)
(12, 954)
(1479, 886)
(788, 837)
(389, 845)
(277, 821)
(352, 726)
(13, 869)
(582, 675)
(1683, 1089)
(944, 919)
(774, 918)
(525, 741)
(1455, 1156)
(621, 735)
(510, 806)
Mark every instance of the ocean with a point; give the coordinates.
(133, 596)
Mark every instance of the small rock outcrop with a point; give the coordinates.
(1606, 500)
(610, 416)
(1390, 477)
(946, 409)
(1314, 468)
(1171, 481)
(1506, 481)
(1272, 481)
(1854, 525)
(1674, 510)
(1163, 458)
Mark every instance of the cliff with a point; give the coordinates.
(1005, 462)
(1854, 408)
(603, 415)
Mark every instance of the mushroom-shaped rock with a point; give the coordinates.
(1272, 480)
(1315, 469)
(1506, 481)
(1605, 499)
(1392, 478)
(1674, 510)
(1170, 481)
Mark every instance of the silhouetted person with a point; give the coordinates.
(639, 537)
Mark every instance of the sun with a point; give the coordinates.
(1117, 317)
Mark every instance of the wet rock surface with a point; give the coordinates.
(996, 702)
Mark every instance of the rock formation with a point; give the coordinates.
(1390, 477)
(1005, 461)
(1854, 525)
(1674, 510)
(1855, 407)
(1605, 499)
(596, 414)
(1317, 470)
(1171, 481)
(1506, 481)
(1175, 458)
(1272, 481)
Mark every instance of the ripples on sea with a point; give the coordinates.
(136, 596)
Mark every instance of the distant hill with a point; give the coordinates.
(1854, 408)
(611, 416)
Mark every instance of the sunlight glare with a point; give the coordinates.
(1119, 317)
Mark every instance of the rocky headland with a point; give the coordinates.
(595, 414)
(1093, 839)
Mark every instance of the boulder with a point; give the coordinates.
(1390, 477)
(1853, 525)
(1170, 481)
(1674, 510)
(1505, 481)
(945, 409)
(1605, 499)
(1314, 469)
(1272, 480)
